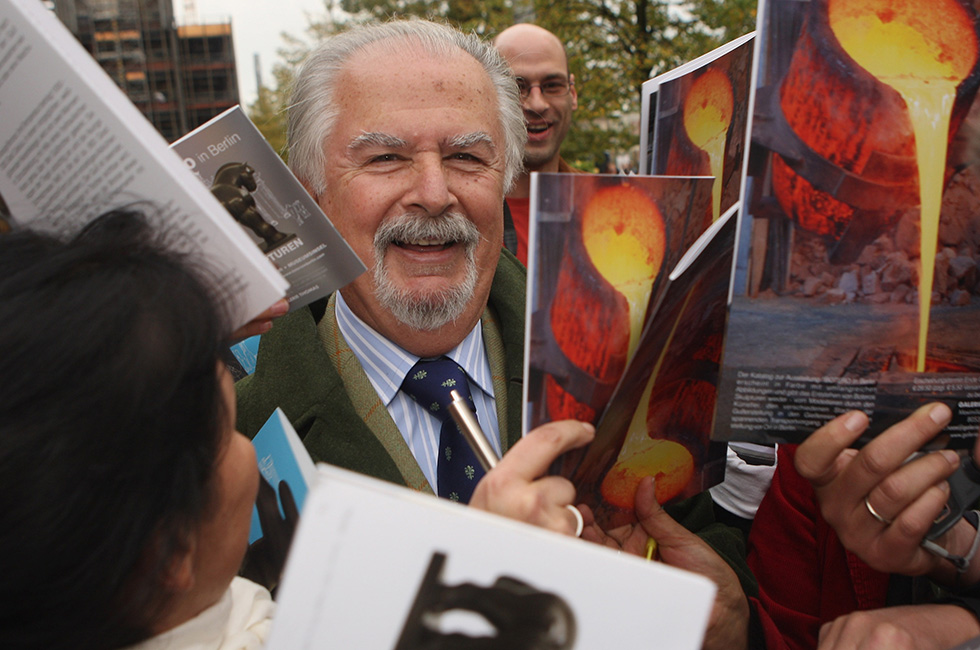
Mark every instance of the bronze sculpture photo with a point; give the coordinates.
(233, 186)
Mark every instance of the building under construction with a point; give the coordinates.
(179, 77)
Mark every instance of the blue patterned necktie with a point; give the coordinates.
(429, 383)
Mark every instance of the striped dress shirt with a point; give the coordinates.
(386, 365)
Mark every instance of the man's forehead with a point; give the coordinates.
(414, 74)
(415, 95)
(390, 58)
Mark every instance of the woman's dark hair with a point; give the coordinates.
(111, 420)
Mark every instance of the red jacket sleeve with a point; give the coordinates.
(805, 576)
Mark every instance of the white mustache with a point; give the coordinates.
(447, 227)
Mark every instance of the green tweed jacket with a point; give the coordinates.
(342, 421)
(306, 368)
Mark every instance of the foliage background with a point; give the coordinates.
(613, 46)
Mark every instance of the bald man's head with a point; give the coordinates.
(548, 94)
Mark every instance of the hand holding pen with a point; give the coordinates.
(518, 485)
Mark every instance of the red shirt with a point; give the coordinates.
(806, 577)
(519, 209)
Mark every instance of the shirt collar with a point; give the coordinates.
(386, 363)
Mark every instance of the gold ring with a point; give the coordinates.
(874, 513)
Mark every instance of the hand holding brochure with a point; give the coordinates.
(73, 146)
(376, 566)
(286, 473)
(282, 458)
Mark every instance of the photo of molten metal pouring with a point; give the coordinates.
(864, 191)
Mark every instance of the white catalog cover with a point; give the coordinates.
(378, 566)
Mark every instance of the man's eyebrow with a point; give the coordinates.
(468, 140)
(376, 139)
(551, 76)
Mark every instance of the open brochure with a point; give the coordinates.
(230, 156)
(659, 420)
(856, 284)
(73, 146)
(693, 120)
(602, 248)
(376, 566)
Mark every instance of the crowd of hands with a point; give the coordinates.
(907, 490)
(909, 495)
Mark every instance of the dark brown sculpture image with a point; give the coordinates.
(524, 617)
(4, 216)
(233, 186)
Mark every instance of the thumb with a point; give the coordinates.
(654, 519)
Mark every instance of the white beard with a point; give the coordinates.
(425, 311)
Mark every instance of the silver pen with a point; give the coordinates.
(466, 421)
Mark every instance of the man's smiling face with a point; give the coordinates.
(536, 56)
(414, 182)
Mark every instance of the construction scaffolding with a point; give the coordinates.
(179, 77)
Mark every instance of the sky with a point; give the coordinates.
(256, 28)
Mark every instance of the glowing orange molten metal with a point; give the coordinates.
(624, 236)
(598, 311)
(708, 110)
(670, 463)
(923, 50)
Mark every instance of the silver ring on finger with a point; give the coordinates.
(875, 513)
(579, 522)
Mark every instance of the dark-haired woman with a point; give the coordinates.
(125, 492)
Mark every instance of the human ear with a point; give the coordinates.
(179, 576)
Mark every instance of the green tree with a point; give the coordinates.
(613, 46)
(268, 114)
(483, 17)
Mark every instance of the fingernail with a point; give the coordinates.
(944, 486)
(951, 457)
(265, 326)
(940, 413)
(280, 307)
(855, 421)
(653, 488)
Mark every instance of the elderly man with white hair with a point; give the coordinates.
(408, 134)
